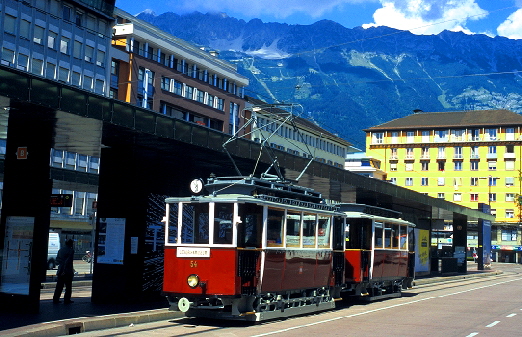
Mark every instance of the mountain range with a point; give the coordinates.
(351, 79)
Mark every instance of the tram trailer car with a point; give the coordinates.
(255, 249)
(379, 255)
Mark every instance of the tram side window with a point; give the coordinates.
(173, 222)
(223, 216)
(378, 235)
(323, 232)
(309, 225)
(359, 234)
(195, 223)
(293, 229)
(395, 236)
(249, 230)
(403, 237)
(274, 233)
(388, 234)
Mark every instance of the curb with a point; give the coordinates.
(440, 279)
(87, 324)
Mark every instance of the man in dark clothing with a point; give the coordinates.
(65, 272)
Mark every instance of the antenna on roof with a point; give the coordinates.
(276, 116)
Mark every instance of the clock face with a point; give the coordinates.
(196, 186)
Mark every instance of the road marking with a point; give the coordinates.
(473, 289)
(472, 334)
(511, 315)
(380, 309)
(492, 324)
(337, 318)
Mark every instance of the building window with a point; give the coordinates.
(510, 165)
(100, 86)
(38, 34)
(457, 197)
(441, 152)
(491, 134)
(115, 74)
(440, 196)
(100, 58)
(457, 152)
(189, 92)
(510, 197)
(178, 87)
(425, 136)
(474, 181)
(377, 137)
(51, 40)
(424, 181)
(220, 104)
(393, 181)
(37, 67)
(510, 181)
(78, 19)
(89, 53)
(394, 137)
(440, 181)
(492, 181)
(492, 151)
(25, 27)
(492, 197)
(75, 78)
(409, 182)
(473, 197)
(474, 134)
(510, 134)
(77, 49)
(200, 97)
(457, 135)
(64, 45)
(66, 13)
(441, 165)
(509, 234)
(87, 82)
(394, 153)
(474, 165)
(63, 74)
(457, 166)
(165, 83)
(9, 24)
(50, 71)
(393, 166)
(425, 165)
(492, 165)
(474, 152)
(410, 136)
(441, 136)
(408, 166)
(409, 153)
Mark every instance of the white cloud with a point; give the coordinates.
(255, 8)
(427, 16)
(512, 27)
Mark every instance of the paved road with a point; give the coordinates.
(490, 306)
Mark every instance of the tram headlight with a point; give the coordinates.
(193, 280)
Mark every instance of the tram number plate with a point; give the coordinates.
(192, 252)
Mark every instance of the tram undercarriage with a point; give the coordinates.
(257, 307)
(375, 291)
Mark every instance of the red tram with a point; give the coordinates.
(255, 249)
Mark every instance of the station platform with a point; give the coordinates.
(83, 315)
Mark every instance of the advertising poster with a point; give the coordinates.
(422, 250)
(16, 259)
(111, 241)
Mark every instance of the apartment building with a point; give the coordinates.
(155, 70)
(302, 138)
(467, 157)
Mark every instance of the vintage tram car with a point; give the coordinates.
(255, 249)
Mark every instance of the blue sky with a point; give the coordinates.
(491, 17)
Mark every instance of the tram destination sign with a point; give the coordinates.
(61, 200)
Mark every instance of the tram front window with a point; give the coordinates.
(274, 228)
(249, 230)
(195, 223)
(173, 222)
(223, 216)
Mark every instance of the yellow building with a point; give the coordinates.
(467, 157)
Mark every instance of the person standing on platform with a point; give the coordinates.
(65, 273)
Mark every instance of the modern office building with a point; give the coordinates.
(466, 157)
(294, 134)
(67, 41)
(155, 70)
